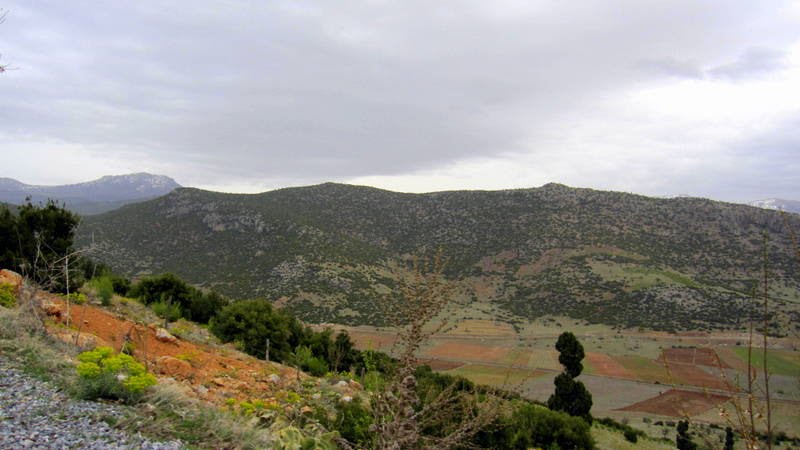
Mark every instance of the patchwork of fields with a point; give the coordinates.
(631, 374)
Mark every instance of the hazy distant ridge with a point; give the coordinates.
(779, 204)
(91, 197)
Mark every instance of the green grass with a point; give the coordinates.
(607, 438)
(637, 278)
(644, 369)
(778, 362)
(493, 375)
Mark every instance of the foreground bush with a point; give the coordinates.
(104, 374)
(7, 297)
(534, 426)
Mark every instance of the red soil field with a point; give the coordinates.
(470, 352)
(695, 376)
(603, 364)
(678, 403)
(702, 356)
(438, 364)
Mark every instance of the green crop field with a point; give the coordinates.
(778, 362)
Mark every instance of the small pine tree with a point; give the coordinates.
(570, 396)
(570, 353)
(728, 438)
(683, 440)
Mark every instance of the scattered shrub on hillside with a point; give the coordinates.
(103, 288)
(533, 426)
(204, 305)
(305, 360)
(630, 433)
(121, 285)
(155, 288)
(7, 297)
(167, 310)
(353, 421)
(104, 374)
(194, 304)
(251, 323)
(77, 298)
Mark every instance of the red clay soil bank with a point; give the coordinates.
(213, 373)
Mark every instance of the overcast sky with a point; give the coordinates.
(659, 98)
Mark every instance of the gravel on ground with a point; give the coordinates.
(36, 415)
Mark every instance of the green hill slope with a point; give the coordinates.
(330, 252)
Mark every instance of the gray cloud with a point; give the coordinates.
(753, 62)
(310, 91)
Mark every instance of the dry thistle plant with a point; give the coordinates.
(399, 415)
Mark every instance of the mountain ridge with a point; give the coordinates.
(334, 252)
(92, 197)
(779, 204)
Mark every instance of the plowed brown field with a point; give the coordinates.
(678, 403)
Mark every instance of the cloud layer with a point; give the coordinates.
(683, 97)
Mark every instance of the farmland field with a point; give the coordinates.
(630, 373)
(679, 403)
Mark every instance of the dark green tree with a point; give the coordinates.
(570, 395)
(250, 323)
(728, 438)
(35, 240)
(167, 287)
(9, 243)
(683, 440)
(344, 355)
(204, 305)
(570, 353)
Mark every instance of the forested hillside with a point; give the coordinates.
(332, 252)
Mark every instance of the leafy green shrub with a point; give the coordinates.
(167, 310)
(291, 438)
(251, 323)
(353, 420)
(75, 297)
(7, 297)
(194, 304)
(630, 433)
(120, 285)
(104, 374)
(103, 287)
(534, 426)
(305, 359)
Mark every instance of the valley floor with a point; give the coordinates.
(633, 375)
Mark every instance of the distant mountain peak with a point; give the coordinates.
(778, 204)
(91, 197)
